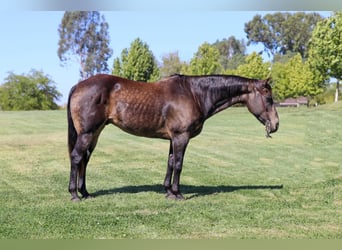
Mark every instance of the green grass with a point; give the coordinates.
(238, 184)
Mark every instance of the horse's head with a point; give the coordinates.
(260, 104)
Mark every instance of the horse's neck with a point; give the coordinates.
(219, 93)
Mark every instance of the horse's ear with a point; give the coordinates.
(268, 80)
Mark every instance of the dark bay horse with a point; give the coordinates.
(174, 109)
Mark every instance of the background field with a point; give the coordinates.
(238, 184)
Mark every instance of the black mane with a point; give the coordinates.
(212, 92)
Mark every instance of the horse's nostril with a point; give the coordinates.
(276, 128)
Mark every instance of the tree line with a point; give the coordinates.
(304, 51)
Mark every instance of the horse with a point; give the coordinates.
(174, 108)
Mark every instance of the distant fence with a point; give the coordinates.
(288, 104)
(294, 102)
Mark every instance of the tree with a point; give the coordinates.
(137, 63)
(171, 64)
(84, 34)
(205, 61)
(232, 52)
(254, 67)
(282, 32)
(34, 91)
(293, 79)
(326, 49)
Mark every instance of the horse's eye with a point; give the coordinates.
(269, 100)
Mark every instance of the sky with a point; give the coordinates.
(29, 39)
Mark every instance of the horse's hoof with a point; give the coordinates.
(175, 197)
(75, 199)
(88, 197)
(179, 197)
(170, 196)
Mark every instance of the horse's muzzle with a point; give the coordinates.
(276, 128)
(269, 128)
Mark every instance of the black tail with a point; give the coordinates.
(72, 134)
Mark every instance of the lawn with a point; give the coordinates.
(237, 183)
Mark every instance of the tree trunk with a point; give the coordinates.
(337, 90)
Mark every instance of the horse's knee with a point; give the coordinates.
(178, 168)
(76, 158)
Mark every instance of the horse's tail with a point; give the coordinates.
(72, 134)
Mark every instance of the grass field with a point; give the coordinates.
(238, 184)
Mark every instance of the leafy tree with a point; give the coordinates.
(137, 63)
(117, 67)
(34, 91)
(254, 67)
(326, 49)
(282, 32)
(205, 61)
(283, 58)
(84, 34)
(232, 52)
(171, 64)
(293, 79)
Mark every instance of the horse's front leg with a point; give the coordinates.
(179, 144)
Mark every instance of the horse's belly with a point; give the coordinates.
(140, 120)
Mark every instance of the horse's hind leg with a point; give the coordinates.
(169, 172)
(79, 157)
(83, 168)
(81, 184)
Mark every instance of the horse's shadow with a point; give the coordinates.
(193, 191)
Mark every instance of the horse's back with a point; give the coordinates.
(144, 109)
(135, 107)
